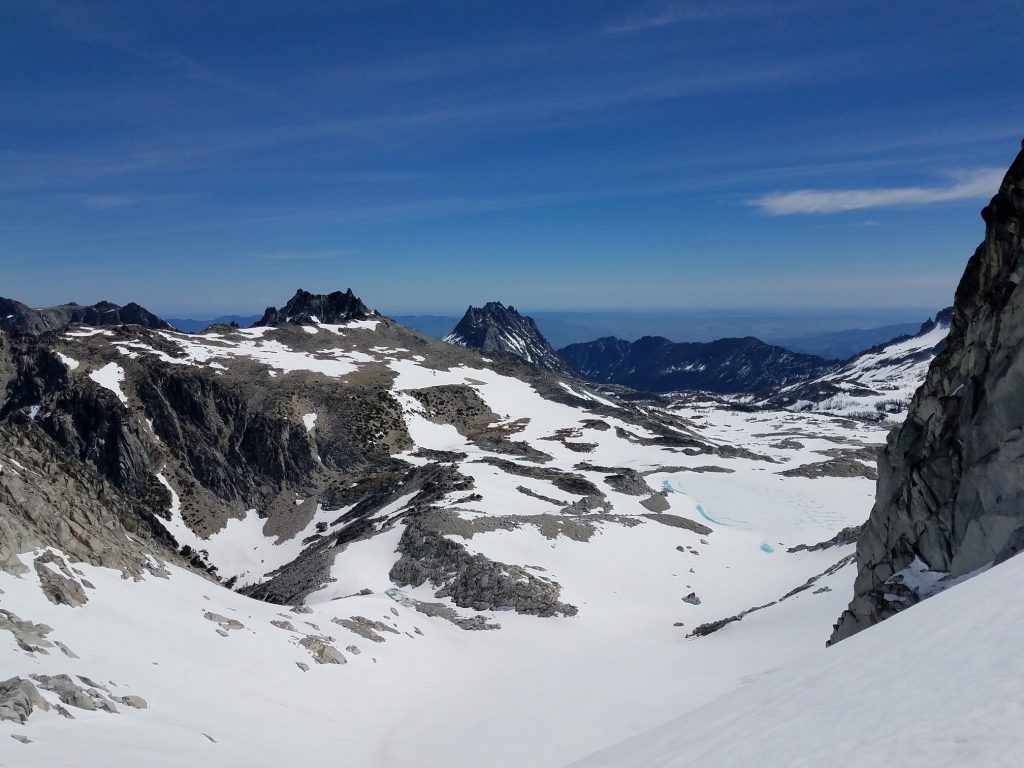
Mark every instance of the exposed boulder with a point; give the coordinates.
(322, 651)
(18, 697)
(57, 582)
(74, 695)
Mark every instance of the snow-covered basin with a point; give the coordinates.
(449, 697)
(539, 692)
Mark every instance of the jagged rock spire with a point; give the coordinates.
(305, 308)
(497, 328)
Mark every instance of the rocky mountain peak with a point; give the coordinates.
(305, 308)
(950, 497)
(20, 319)
(497, 328)
(942, 319)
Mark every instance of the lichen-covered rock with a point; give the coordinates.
(951, 484)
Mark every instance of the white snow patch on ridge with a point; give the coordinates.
(111, 376)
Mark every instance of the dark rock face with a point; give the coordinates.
(82, 417)
(950, 494)
(18, 319)
(655, 364)
(336, 307)
(229, 444)
(472, 581)
(497, 328)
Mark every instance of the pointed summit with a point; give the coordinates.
(497, 328)
(305, 308)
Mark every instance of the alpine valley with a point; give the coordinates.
(329, 538)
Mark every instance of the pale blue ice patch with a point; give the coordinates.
(708, 517)
(767, 548)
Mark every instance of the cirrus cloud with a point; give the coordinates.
(979, 183)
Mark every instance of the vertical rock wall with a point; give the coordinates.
(950, 496)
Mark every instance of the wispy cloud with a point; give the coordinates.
(676, 14)
(302, 255)
(979, 183)
(102, 202)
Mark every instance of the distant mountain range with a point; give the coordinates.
(838, 336)
(655, 364)
(875, 384)
(842, 345)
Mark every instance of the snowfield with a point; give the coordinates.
(937, 686)
(432, 694)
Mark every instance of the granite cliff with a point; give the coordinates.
(950, 498)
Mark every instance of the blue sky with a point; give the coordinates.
(211, 157)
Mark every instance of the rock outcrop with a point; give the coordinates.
(18, 697)
(472, 580)
(950, 494)
(497, 328)
(305, 308)
(19, 319)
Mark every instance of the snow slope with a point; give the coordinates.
(937, 686)
(878, 384)
(434, 695)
